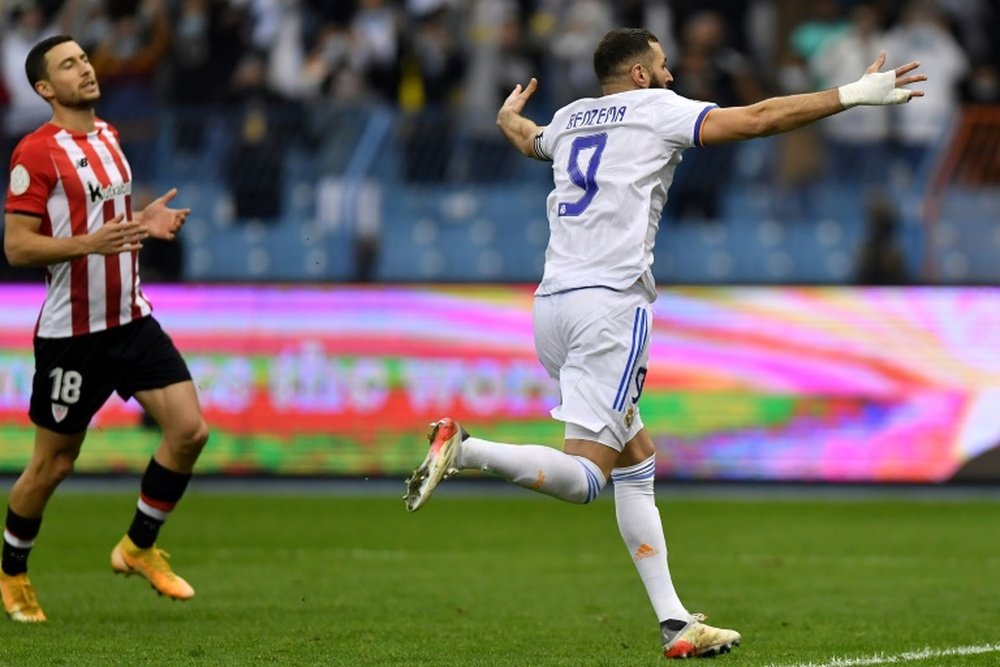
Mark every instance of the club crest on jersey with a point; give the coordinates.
(20, 179)
(59, 412)
(629, 416)
(97, 193)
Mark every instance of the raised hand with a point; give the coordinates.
(877, 88)
(161, 221)
(519, 96)
(901, 72)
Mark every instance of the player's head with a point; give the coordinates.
(631, 57)
(59, 71)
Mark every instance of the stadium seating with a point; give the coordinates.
(966, 238)
(457, 230)
(455, 234)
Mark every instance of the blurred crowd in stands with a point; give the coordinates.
(446, 65)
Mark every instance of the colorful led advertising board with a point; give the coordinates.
(803, 383)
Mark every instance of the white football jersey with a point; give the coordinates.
(613, 158)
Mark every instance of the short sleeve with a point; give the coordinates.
(681, 119)
(32, 178)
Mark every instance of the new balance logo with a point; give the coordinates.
(82, 163)
(645, 551)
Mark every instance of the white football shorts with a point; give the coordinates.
(595, 343)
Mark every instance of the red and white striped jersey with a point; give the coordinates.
(76, 182)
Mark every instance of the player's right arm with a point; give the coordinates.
(782, 114)
(25, 245)
(520, 131)
(33, 177)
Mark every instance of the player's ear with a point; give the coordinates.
(44, 89)
(639, 75)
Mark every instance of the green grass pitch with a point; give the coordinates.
(514, 579)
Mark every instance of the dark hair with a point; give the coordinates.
(618, 48)
(34, 64)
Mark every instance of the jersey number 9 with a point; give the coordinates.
(585, 181)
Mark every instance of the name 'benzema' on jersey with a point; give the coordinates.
(613, 159)
(596, 117)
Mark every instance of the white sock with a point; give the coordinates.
(642, 531)
(536, 467)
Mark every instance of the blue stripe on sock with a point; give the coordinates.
(647, 471)
(643, 471)
(593, 485)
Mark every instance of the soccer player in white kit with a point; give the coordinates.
(613, 158)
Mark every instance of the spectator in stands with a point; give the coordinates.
(255, 165)
(210, 36)
(375, 39)
(20, 108)
(923, 35)
(857, 144)
(799, 159)
(732, 15)
(278, 37)
(974, 23)
(331, 69)
(433, 70)
(880, 261)
(4, 95)
(87, 19)
(812, 36)
(576, 27)
(983, 85)
(127, 59)
(709, 69)
(500, 57)
(25, 111)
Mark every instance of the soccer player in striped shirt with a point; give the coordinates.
(69, 209)
(613, 159)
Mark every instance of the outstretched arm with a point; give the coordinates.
(782, 114)
(519, 131)
(160, 221)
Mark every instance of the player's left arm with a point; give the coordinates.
(783, 114)
(520, 131)
(161, 221)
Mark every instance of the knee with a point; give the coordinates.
(190, 440)
(593, 481)
(53, 470)
(197, 437)
(62, 468)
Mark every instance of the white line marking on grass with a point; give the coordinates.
(909, 656)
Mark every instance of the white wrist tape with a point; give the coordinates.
(873, 90)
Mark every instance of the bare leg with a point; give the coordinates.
(177, 410)
(51, 462)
